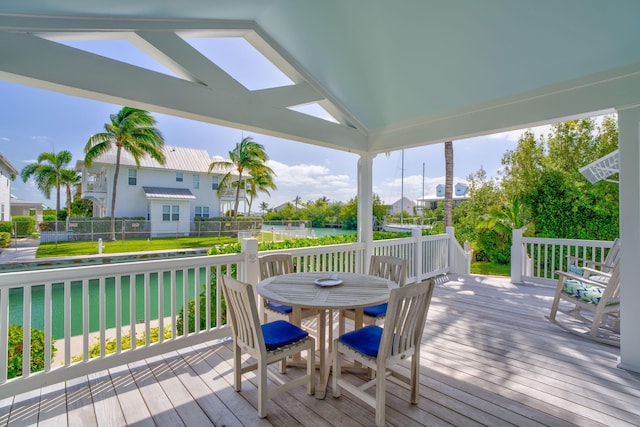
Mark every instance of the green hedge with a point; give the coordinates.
(5, 239)
(24, 225)
(6, 227)
(14, 362)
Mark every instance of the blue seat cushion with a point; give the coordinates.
(379, 310)
(281, 333)
(575, 269)
(280, 308)
(365, 340)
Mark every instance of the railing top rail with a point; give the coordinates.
(96, 271)
(573, 242)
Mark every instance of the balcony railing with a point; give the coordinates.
(537, 259)
(86, 309)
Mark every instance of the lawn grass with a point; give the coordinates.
(47, 250)
(490, 268)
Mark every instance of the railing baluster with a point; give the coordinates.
(26, 331)
(4, 333)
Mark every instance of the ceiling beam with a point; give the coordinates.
(31, 60)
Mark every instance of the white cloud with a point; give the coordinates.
(40, 138)
(4, 139)
(309, 181)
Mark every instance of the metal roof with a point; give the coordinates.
(168, 193)
(602, 168)
(176, 158)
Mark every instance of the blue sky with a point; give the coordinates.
(34, 120)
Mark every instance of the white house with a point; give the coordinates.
(169, 195)
(460, 194)
(7, 174)
(402, 205)
(21, 207)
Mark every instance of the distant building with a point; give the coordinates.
(402, 205)
(460, 194)
(169, 195)
(7, 174)
(21, 207)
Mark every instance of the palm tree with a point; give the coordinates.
(297, 201)
(261, 181)
(48, 173)
(264, 206)
(134, 131)
(448, 183)
(69, 178)
(246, 156)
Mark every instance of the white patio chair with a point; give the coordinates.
(589, 268)
(268, 343)
(380, 349)
(277, 265)
(595, 303)
(388, 267)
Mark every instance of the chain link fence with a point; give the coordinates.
(100, 228)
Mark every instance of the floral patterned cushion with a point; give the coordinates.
(587, 293)
(575, 269)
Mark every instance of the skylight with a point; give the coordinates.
(242, 61)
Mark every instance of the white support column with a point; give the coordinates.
(516, 255)
(250, 273)
(365, 206)
(416, 233)
(629, 145)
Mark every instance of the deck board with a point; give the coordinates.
(489, 357)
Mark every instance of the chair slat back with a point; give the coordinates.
(612, 256)
(406, 316)
(612, 292)
(245, 323)
(389, 267)
(275, 265)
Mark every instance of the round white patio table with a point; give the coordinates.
(300, 290)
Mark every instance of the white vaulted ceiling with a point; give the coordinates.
(394, 74)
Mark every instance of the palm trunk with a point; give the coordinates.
(235, 209)
(448, 184)
(68, 201)
(113, 196)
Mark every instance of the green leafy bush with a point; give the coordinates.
(110, 343)
(24, 225)
(14, 362)
(6, 227)
(5, 239)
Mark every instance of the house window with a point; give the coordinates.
(214, 183)
(202, 211)
(196, 181)
(133, 177)
(2, 213)
(179, 177)
(170, 212)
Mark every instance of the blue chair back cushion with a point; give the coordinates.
(379, 310)
(280, 308)
(281, 333)
(364, 340)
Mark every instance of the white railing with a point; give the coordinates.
(89, 304)
(84, 310)
(537, 259)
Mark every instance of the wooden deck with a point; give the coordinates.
(490, 358)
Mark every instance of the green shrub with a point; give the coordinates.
(110, 343)
(5, 239)
(6, 227)
(14, 362)
(24, 225)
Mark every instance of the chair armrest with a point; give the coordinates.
(580, 279)
(598, 272)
